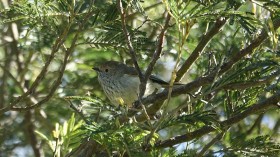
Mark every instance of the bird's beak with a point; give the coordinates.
(96, 69)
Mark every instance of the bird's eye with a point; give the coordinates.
(106, 70)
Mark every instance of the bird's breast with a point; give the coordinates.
(123, 88)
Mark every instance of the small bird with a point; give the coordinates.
(121, 82)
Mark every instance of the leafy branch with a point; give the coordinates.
(264, 105)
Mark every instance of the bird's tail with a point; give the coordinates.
(163, 83)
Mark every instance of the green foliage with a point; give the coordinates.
(258, 146)
(65, 137)
(127, 138)
(194, 120)
(52, 105)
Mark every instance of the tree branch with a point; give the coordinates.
(143, 78)
(42, 74)
(156, 54)
(249, 84)
(220, 22)
(30, 132)
(128, 40)
(61, 72)
(254, 109)
(44, 70)
(276, 127)
(204, 80)
(250, 49)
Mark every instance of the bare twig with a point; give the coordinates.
(8, 73)
(156, 54)
(147, 116)
(128, 39)
(26, 64)
(208, 145)
(256, 123)
(157, 99)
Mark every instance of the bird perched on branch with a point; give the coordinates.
(121, 82)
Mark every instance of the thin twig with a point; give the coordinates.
(156, 54)
(143, 78)
(146, 114)
(78, 111)
(207, 146)
(182, 36)
(128, 39)
(256, 123)
(17, 83)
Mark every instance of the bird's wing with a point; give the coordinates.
(130, 71)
